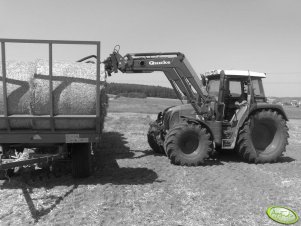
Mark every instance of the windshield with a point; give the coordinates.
(213, 87)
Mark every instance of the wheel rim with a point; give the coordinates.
(189, 142)
(264, 135)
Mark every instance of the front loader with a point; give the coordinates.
(225, 109)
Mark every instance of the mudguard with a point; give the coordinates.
(213, 127)
(275, 107)
(248, 112)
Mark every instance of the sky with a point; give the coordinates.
(256, 35)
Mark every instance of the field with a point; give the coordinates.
(133, 186)
(141, 105)
(154, 105)
(293, 112)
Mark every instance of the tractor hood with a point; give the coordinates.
(172, 115)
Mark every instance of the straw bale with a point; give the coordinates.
(74, 93)
(18, 90)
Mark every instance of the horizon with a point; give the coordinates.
(172, 89)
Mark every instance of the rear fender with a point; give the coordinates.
(258, 107)
(251, 111)
(265, 106)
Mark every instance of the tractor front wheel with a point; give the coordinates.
(153, 132)
(263, 137)
(188, 144)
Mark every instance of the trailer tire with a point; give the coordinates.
(263, 137)
(81, 160)
(188, 144)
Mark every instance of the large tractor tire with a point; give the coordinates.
(81, 160)
(188, 144)
(263, 137)
(151, 138)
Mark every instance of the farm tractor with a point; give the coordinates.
(223, 109)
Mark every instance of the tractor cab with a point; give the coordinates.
(233, 88)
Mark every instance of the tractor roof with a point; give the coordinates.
(235, 73)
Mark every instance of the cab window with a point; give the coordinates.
(257, 88)
(235, 88)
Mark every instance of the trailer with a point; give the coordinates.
(69, 142)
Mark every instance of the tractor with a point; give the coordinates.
(221, 109)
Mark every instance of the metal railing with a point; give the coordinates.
(51, 115)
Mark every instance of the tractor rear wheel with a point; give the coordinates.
(263, 137)
(188, 144)
(153, 132)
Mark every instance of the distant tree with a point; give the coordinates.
(147, 91)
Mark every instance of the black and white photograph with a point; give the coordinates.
(161, 112)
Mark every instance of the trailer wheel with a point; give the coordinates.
(81, 160)
(263, 137)
(188, 144)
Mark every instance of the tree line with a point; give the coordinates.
(141, 91)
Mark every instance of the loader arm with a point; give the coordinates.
(174, 65)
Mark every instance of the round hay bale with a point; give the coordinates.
(18, 75)
(74, 93)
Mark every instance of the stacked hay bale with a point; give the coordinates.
(74, 93)
(18, 92)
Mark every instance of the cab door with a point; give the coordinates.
(233, 92)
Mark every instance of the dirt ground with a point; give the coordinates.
(132, 186)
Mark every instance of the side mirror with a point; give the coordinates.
(204, 81)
